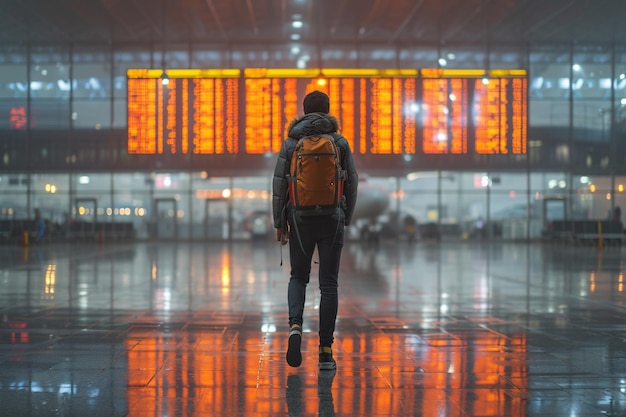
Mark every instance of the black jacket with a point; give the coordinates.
(311, 124)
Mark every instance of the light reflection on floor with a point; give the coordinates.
(448, 329)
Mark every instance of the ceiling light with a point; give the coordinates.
(297, 24)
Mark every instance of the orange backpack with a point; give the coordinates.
(316, 178)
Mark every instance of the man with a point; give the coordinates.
(305, 231)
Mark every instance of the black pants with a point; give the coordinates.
(326, 234)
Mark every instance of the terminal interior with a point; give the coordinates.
(482, 275)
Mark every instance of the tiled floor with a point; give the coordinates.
(450, 329)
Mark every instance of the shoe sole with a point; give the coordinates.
(294, 356)
(327, 366)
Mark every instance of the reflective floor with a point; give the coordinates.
(450, 329)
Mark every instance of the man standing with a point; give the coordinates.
(305, 231)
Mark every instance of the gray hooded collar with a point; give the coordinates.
(311, 124)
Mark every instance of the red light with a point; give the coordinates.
(17, 118)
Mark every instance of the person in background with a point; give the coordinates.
(617, 214)
(40, 226)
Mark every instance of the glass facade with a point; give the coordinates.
(62, 146)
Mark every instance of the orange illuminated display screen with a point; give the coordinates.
(381, 112)
(197, 115)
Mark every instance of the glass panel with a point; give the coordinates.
(120, 109)
(91, 206)
(598, 198)
(50, 88)
(91, 114)
(337, 57)
(591, 88)
(14, 196)
(91, 73)
(619, 203)
(549, 108)
(13, 210)
(14, 155)
(252, 208)
(133, 191)
(508, 204)
(421, 201)
(374, 57)
(50, 195)
(465, 58)
(505, 58)
(170, 213)
(91, 107)
(619, 130)
(177, 56)
(253, 58)
(211, 204)
(592, 73)
(422, 57)
(550, 201)
(13, 89)
(13, 72)
(377, 209)
(464, 204)
(209, 56)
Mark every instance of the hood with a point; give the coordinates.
(311, 124)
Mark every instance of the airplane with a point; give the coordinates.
(372, 201)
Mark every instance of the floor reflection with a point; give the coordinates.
(448, 329)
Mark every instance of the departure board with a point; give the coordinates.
(500, 116)
(194, 112)
(380, 112)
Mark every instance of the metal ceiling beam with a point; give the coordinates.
(255, 27)
(338, 15)
(110, 7)
(548, 18)
(406, 21)
(283, 12)
(43, 21)
(580, 15)
(518, 14)
(370, 16)
(216, 18)
(468, 18)
(160, 29)
(92, 12)
(17, 22)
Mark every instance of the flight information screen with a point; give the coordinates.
(233, 111)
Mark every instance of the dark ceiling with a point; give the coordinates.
(241, 22)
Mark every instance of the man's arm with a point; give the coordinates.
(280, 185)
(351, 183)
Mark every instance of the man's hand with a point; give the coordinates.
(282, 236)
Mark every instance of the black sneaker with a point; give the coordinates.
(294, 356)
(326, 361)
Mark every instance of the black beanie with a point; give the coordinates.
(316, 102)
